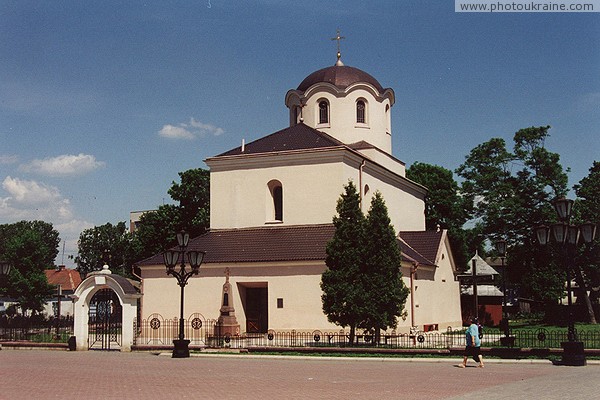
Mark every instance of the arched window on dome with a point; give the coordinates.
(388, 120)
(323, 112)
(361, 112)
(297, 115)
(275, 201)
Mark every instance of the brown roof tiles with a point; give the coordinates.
(69, 279)
(297, 137)
(290, 243)
(424, 243)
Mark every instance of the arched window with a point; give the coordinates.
(361, 112)
(387, 119)
(278, 203)
(276, 193)
(323, 112)
(297, 115)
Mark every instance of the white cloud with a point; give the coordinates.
(189, 131)
(207, 128)
(30, 192)
(8, 159)
(176, 132)
(30, 200)
(63, 165)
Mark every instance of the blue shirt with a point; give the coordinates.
(473, 332)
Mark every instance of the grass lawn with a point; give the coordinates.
(528, 325)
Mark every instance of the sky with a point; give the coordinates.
(103, 103)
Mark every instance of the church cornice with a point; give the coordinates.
(323, 155)
(338, 92)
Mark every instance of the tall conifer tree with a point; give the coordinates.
(382, 278)
(343, 296)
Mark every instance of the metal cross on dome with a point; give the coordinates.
(338, 38)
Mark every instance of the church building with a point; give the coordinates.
(272, 203)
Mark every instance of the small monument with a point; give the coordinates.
(228, 324)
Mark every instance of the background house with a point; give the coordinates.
(489, 296)
(65, 281)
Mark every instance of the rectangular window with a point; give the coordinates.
(280, 303)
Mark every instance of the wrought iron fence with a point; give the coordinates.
(208, 333)
(34, 329)
(157, 331)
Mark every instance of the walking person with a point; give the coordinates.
(473, 348)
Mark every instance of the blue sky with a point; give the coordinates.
(103, 103)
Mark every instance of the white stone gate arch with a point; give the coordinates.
(127, 294)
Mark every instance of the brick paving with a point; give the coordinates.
(33, 374)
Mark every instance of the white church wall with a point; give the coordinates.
(406, 207)
(436, 295)
(385, 160)
(240, 198)
(161, 293)
(312, 185)
(296, 285)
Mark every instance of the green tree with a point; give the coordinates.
(381, 275)
(445, 207)
(95, 242)
(158, 229)
(588, 194)
(30, 247)
(193, 195)
(343, 295)
(513, 191)
(588, 209)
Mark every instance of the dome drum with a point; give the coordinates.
(345, 102)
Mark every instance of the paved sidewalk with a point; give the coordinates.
(31, 374)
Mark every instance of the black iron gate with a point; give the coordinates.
(105, 321)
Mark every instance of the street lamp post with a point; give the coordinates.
(171, 259)
(4, 270)
(567, 236)
(507, 340)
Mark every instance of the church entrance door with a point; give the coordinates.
(257, 313)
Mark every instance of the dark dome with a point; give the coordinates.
(339, 75)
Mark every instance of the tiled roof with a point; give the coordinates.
(283, 243)
(277, 243)
(297, 137)
(362, 145)
(69, 279)
(424, 243)
(126, 284)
